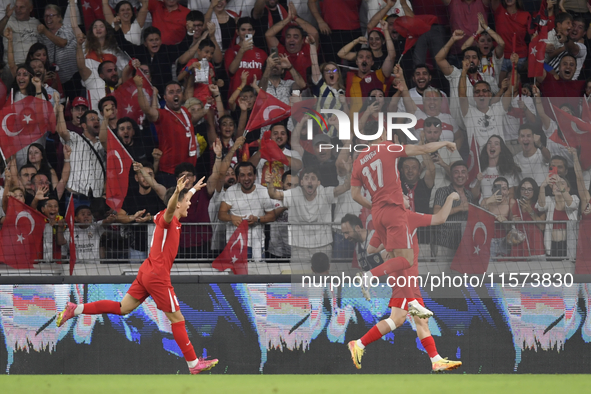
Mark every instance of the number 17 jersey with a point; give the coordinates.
(377, 171)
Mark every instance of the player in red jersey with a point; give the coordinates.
(408, 293)
(153, 278)
(377, 171)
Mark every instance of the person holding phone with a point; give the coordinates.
(244, 56)
(524, 209)
(499, 204)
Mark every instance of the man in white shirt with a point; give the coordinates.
(280, 136)
(248, 201)
(533, 159)
(454, 74)
(308, 204)
(24, 29)
(421, 78)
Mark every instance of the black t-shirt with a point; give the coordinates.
(134, 201)
(262, 25)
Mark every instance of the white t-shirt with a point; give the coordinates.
(454, 82)
(87, 242)
(511, 123)
(555, 148)
(490, 174)
(303, 211)
(553, 40)
(484, 125)
(418, 99)
(24, 34)
(448, 126)
(255, 203)
(441, 178)
(261, 166)
(533, 166)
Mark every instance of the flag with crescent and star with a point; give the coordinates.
(21, 237)
(266, 111)
(69, 218)
(537, 53)
(119, 162)
(576, 132)
(24, 122)
(473, 254)
(126, 96)
(235, 254)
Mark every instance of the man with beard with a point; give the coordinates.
(248, 201)
(361, 83)
(101, 85)
(421, 78)
(79, 107)
(296, 49)
(574, 45)
(307, 205)
(40, 72)
(174, 126)
(145, 203)
(88, 156)
(486, 119)
(450, 234)
(280, 136)
(454, 74)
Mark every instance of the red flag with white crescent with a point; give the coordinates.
(118, 164)
(235, 254)
(266, 111)
(537, 53)
(21, 237)
(69, 218)
(576, 132)
(127, 101)
(473, 255)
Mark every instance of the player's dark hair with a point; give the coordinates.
(366, 50)
(456, 164)
(195, 16)
(206, 43)
(169, 83)
(244, 164)
(105, 100)
(248, 89)
(43, 203)
(85, 115)
(150, 30)
(25, 167)
(422, 65)
(320, 263)
(170, 192)
(474, 49)
(184, 167)
(526, 126)
(284, 176)
(309, 170)
(134, 125)
(562, 159)
(353, 220)
(102, 65)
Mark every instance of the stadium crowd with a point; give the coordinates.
(195, 71)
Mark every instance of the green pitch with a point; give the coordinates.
(294, 384)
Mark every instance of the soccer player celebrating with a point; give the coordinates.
(377, 171)
(153, 278)
(404, 295)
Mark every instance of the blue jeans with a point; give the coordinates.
(508, 66)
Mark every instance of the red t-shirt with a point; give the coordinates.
(201, 90)
(508, 24)
(565, 92)
(341, 14)
(431, 7)
(252, 61)
(300, 60)
(165, 245)
(173, 140)
(377, 171)
(171, 24)
(198, 213)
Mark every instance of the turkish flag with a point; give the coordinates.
(21, 237)
(91, 11)
(537, 53)
(412, 27)
(270, 151)
(235, 254)
(474, 252)
(473, 161)
(266, 111)
(126, 96)
(586, 111)
(576, 132)
(118, 164)
(69, 218)
(24, 122)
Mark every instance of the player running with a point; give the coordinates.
(404, 297)
(377, 171)
(153, 278)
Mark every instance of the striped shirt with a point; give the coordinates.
(86, 171)
(327, 99)
(65, 57)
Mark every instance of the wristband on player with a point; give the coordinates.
(192, 190)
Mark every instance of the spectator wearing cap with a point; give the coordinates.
(79, 107)
(322, 159)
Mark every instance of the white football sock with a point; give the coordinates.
(436, 358)
(361, 345)
(193, 363)
(79, 309)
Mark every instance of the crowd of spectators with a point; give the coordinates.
(197, 69)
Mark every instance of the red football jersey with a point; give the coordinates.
(377, 171)
(252, 61)
(164, 247)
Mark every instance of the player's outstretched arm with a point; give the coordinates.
(358, 197)
(416, 150)
(441, 216)
(172, 203)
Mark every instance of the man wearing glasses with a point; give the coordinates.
(485, 119)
